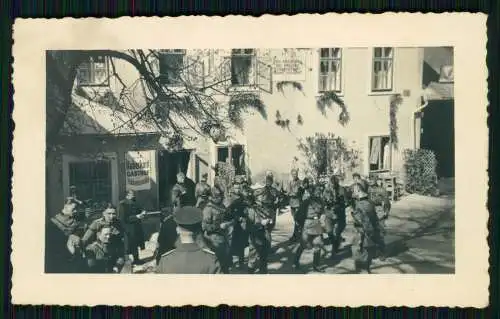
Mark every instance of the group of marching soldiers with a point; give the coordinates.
(244, 216)
(230, 220)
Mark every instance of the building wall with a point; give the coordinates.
(269, 147)
(80, 148)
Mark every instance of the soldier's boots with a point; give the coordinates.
(250, 270)
(263, 269)
(316, 261)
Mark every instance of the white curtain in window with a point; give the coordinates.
(375, 150)
(387, 155)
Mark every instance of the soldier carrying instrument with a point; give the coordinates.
(202, 192)
(217, 226)
(259, 227)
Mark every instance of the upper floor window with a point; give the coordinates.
(94, 71)
(171, 63)
(242, 64)
(330, 70)
(382, 69)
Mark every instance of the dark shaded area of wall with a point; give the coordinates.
(438, 135)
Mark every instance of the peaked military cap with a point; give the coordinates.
(188, 215)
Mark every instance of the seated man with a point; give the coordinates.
(101, 255)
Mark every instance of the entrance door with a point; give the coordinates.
(438, 135)
(169, 164)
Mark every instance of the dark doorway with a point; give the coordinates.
(438, 135)
(169, 164)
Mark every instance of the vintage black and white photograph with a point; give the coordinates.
(335, 160)
(251, 161)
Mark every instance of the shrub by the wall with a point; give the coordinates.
(420, 170)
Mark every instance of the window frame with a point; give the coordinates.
(69, 159)
(172, 52)
(373, 59)
(381, 156)
(91, 72)
(230, 155)
(330, 58)
(253, 66)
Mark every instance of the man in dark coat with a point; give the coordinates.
(217, 224)
(259, 230)
(335, 217)
(131, 217)
(183, 193)
(64, 249)
(270, 197)
(117, 236)
(380, 198)
(313, 229)
(202, 192)
(367, 236)
(188, 257)
(235, 204)
(101, 256)
(294, 192)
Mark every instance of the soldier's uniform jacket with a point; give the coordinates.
(381, 200)
(127, 212)
(117, 233)
(334, 200)
(188, 259)
(102, 259)
(366, 222)
(314, 209)
(259, 233)
(270, 197)
(213, 216)
(294, 191)
(202, 192)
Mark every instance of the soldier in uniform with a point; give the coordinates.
(217, 225)
(188, 257)
(235, 204)
(367, 235)
(181, 193)
(382, 202)
(202, 192)
(117, 235)
(63, 242)
(294, 192)
(335, 217)
(270, 197)
(259, 226)
(131, 217)
(313, 230)
(101, 256)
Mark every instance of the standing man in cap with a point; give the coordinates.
(217, 226)
(270, 197)
(182, 194)
(235, 204)
(294, 192)
(131, 217)
(367, 235)
(259, 226)
(313, 230)
(188, 257)
(202, 192)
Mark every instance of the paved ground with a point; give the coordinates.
(420, 239)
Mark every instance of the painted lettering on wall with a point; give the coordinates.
(288, 66)
(138, 170)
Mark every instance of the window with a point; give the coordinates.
(382, 69)
(236, 153)
(330, 70)
(242, 61)
(92, 180)
(93, 72)
(380, 153)
(171, 63)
